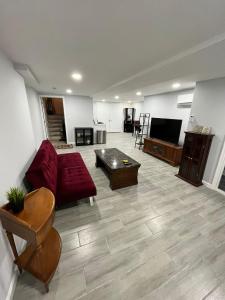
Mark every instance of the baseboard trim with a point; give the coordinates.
(15, 275)
(207, 184)
(211, 186)
(12, 286)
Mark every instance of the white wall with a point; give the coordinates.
(139, 108)
(16, 151)
(165, 106)
(36, 117)
(99, 111)
(103, 111)
(78, 112)
(209, 109)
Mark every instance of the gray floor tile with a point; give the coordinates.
(161, 239)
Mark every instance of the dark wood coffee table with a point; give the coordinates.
(120, 175)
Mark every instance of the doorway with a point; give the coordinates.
(115, 117)
(111, 114)
(54, 119)
(219, 177)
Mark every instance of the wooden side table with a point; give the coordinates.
(34, 224)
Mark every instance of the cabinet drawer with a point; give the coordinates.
(165, 151)
(158, 149)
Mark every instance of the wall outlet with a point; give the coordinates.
(192, 118)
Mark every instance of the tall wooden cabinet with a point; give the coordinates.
(194, 157)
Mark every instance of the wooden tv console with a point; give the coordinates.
(166, 151)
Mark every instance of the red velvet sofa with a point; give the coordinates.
(65, 175)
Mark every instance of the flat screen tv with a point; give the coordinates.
(166, 129)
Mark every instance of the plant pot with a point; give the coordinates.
(17, 207)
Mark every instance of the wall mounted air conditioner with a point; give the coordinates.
(185, 99)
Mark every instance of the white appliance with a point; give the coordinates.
(111, 114)
(185, 99)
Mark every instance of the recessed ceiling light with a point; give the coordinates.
(103, 100)
(176, 85)
(77, 76)
(139, 93)
(116, 97)
(129, 102)
(69, 91)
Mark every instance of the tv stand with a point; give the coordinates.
(166, 151)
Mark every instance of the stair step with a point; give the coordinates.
(55, 117)
(55, 131)
(55, 125)
(55, 138)
(58, 131)
(55, 121)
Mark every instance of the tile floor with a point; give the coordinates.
(161, 239)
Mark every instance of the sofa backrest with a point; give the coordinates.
(43, 169)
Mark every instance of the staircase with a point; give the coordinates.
(55, 128)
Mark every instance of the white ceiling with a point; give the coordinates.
(153, 89)
(120, 46)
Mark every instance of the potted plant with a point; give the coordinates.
(16, 199)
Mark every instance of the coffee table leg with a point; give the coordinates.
(98, 162)
(123, 178)
(46, 288)
(112, 181)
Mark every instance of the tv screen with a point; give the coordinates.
(166, 129)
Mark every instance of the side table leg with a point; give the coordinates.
(46, 288)
(97, 163)
(91, 201)
(13, 246)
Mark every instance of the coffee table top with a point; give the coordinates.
(113, 157)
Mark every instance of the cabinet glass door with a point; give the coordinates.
(80, 136)
(88, 136)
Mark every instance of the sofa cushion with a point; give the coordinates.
(74, 180)
(43, 170)
(69, 159)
